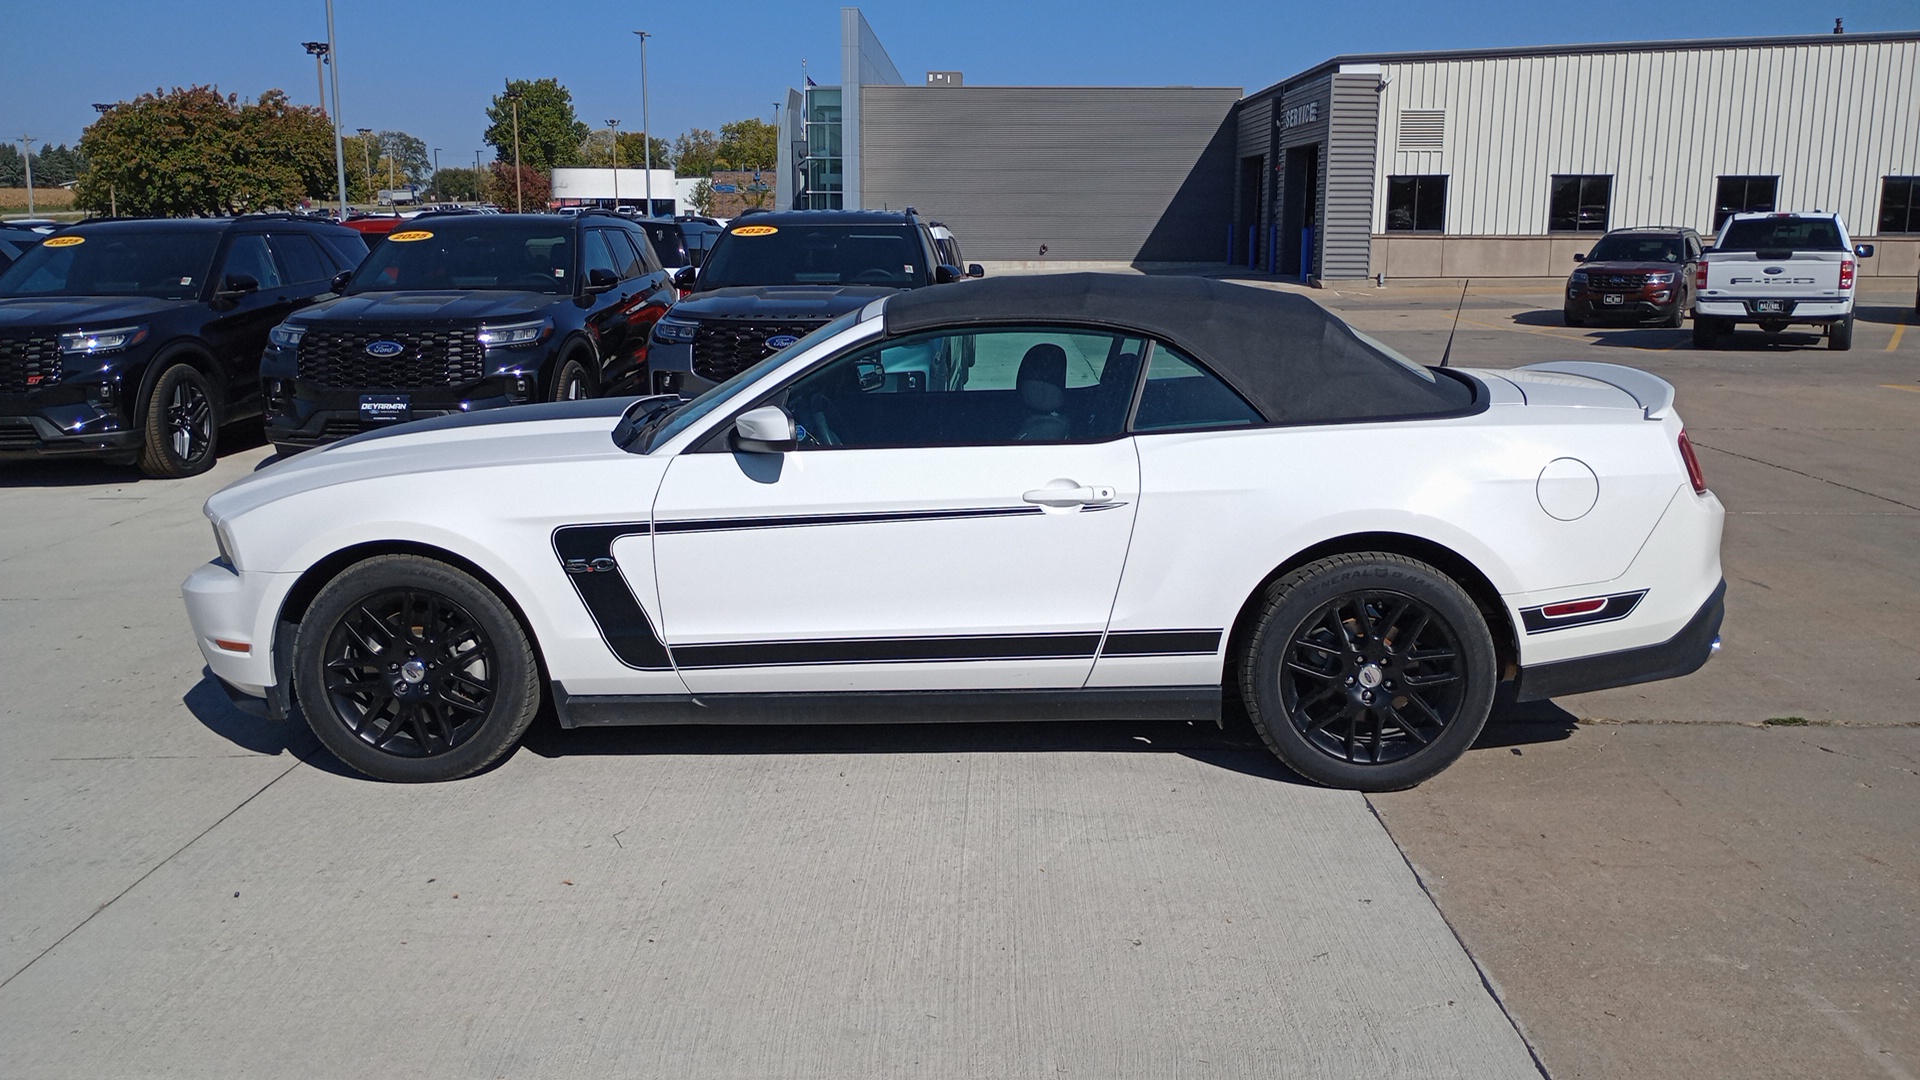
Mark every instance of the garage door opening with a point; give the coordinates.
(1299, 211)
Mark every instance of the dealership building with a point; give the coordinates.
(1470, 163)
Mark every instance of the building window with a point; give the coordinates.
(821, 186)
(1900, 204)
(1742, 195)
(1579, 203)
(1416, 203)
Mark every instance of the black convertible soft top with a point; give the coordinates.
(1294, 360)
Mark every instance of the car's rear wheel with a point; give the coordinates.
(182, 426)
(412, 670)
(1369, 671)
(1840, 335)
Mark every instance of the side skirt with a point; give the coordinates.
(890, 707)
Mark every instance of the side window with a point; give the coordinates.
(969, 388)
(248, 255)
(598, 257)
(349, 250)
(644, 262)
(302, 259)
(1181, 395)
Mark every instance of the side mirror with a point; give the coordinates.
(235, 286)
(1579, 257)
(976, 270)
(339, 282)
(1865, 251)
(1708, 250)
(765, 430)
(685, 277)
(944, 274)
(600, 279)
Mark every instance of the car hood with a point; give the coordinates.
(567, 431)
(453, 305)
(1632, 267)
(73, 312)
(780, 302)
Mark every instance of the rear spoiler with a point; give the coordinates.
(1654, 393)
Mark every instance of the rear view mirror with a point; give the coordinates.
(1578, 257)
(765, 430)
(235, 286)
(944, 274)
(600, 279)
(1865, 251)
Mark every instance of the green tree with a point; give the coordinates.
(13, 171)
(535, 187)
(550, 133)
(409, 154)
(748, 144)
(595, 154)
(193, 151)
(695, 153)
(701, 198)
(459, 185)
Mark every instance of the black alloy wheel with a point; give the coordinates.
(1840, 334)
(182, 424)
(409, 669)
(1369, 671)
(570, 383)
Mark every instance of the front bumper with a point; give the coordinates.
(62, 420)
(1641, 307)
(1682, 654)
(235, 623)
(316, 416)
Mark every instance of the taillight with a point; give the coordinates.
(1846, 273)
(1694, 475)
(1700, 275)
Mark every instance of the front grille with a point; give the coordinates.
(338, 360)
(17, 434)
(1618, 281)
(28, 362)
(340, 429)
(723, 348)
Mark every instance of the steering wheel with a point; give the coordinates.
(875, 275)
(825, 420)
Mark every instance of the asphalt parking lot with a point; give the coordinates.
(1647, 882)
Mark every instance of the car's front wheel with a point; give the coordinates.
(571, 383)
(409, 669)
(182, 426)
(1369, 671)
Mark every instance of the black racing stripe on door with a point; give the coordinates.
(897, 650)
(586, 554)
(1616, 607)
(800, 521)
(1161, 643)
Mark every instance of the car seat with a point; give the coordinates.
(1042, 385)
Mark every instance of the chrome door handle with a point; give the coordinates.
(1069, 496)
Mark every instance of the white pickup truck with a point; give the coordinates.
(1775, 270)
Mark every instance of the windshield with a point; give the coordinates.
(664, 426)
(473, 253)
(1638, 249)
(171, 264)
(1789, 233)
(806, 254)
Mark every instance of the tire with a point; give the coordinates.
(460, 700)
(1567, 316)
(283, 451)
(1676, 320)
(181, 433)
(1330, 641)
(1840, 335)
(1707, 330)
(571, 382)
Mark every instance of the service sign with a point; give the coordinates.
(1308, 113)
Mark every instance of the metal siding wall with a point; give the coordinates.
(1253, 137)
(1346, 210)
(1830, 120)
(1091, 172)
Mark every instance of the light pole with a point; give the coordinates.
(646, 128)
(318, 50)
(339, 149)
(366, 152)
(613, 129)
(519, 203)
(479, 186)
(26, 158)
(113, 202)
(436, 172)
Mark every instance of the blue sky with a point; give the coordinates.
(429, 68)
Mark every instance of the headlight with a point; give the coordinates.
(1579, 278)
(223, 541)
(286, 335)
(514, 335)
(674, 331)
(1663, 278)
(100, 342)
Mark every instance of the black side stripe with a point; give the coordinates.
(1617, 607)
(586, 553)
(806, 520)
(888, 650)
(1161, 643)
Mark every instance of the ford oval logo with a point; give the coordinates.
(1774, 270)
(385, 348)
(781, 341)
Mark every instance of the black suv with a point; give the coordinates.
(138, 339)
(772, 278)
(459, 312)
(681, 242)
(1638, 274)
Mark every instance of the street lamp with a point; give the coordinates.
(319, 50)
(26, 158)
(613, 129)
(436, 172)
(339, 151)
(113, 201)
(366, 151)
(646, 128)
(519, 203)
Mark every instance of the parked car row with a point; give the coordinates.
(1773, 270)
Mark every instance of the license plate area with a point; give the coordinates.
(1773, 307)
(1613, 299)
(385, 408)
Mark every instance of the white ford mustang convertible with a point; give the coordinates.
(1073, 497)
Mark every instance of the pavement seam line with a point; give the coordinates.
(297, 762)
(1808, 475)
(1486, 982)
